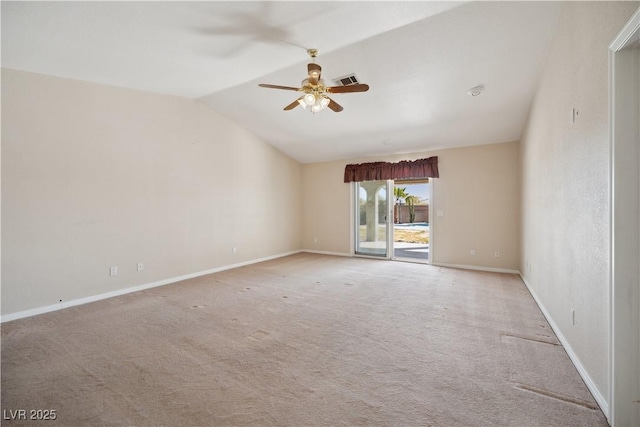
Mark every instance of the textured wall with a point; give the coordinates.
(478, 190)
(95, 176)
(565, 182)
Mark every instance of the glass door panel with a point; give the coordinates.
(372, 214)
(411, 220)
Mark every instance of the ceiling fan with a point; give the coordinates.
(315, 92)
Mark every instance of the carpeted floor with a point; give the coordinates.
(305, 340)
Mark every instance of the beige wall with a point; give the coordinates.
(96, 176)
(478, 190)
(565, 184)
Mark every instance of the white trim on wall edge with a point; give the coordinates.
(93, 298)
(326, 252)
(475, 267)
(604, 406)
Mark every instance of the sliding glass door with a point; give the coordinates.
(373, 200)
(411, 220)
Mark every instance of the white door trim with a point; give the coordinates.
(624, 293)
(390, 219)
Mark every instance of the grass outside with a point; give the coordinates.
(399, 235)
(410, 236)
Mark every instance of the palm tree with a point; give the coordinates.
(411, 202)
(400, 194)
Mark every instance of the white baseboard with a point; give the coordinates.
(461, 266)
(93, 298)
(326, 253)
(475, 267)
(597, 395)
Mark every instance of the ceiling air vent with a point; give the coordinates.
(348, 80)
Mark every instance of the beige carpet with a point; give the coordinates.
(306, 340)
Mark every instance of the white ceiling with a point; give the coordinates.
(419, 58)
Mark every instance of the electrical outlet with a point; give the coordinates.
(234, 250)
(472, 252)
(315, 240)
(496, 254)
(113, 271)
(140, 266)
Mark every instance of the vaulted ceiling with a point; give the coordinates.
(419, 58)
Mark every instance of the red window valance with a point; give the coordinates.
(380, 171)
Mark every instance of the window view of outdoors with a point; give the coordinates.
(411, 220)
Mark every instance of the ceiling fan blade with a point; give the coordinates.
(293, 105)
(347, 89)
(279, 87)
(314, 73)
(335, 106)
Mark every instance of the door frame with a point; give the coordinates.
(624, 226)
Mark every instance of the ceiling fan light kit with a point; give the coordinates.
(315, 92)
(309, 99)
(317, 103)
